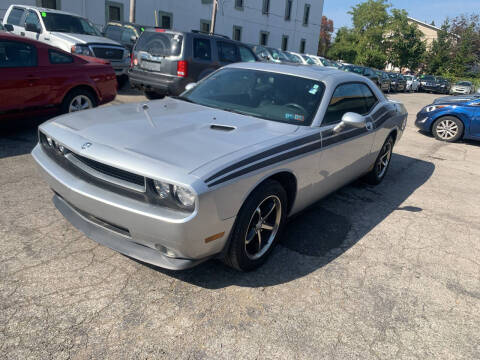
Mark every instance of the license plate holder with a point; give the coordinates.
(150, 65)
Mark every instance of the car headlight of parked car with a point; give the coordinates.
(432, 108)
(179, 195)
(81, 50)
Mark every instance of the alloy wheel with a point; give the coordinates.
(384, 159)
(80, 102)
(447, 129)
(263, 227)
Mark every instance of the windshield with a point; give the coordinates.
(294, 58)
(69, 24)
(277, 55)
(464, 83)
(393, 76)
(354, 69)
(266, 95)
(408, 77)
(309, 60)
(160, 44)
(427, 77)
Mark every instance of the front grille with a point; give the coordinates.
(108, 53)
(111, 171)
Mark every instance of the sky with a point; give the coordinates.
(423, 10)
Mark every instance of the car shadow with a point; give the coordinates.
(323, 232)
(19, 136)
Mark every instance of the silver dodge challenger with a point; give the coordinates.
(216, 172)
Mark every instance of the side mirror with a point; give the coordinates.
(190, 86)
(33, 28)
(133, 39)
(8, 27)
(351, 119)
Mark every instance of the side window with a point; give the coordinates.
(227, 52)
(17, 54)
(246, 54)
(354, 97)
(127, 34)
(202, 49)
(32, 19)
(15, 16)
(57, 57)
(113, 32)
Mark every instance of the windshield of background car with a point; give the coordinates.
(393, 76)
(277, 55)
(464, 83)
(309, 60)
(160, 44)
(427, 78)
(408, 77)
(294, 58)
(69, 24)
(266, 95)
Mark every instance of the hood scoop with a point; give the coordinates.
(225, 128)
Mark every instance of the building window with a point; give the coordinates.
(165, 20)
(266, 7)
(205, 25)
(285, 42)
(306, 14)
(263, 38)
(303, 44)
(239, 4)
(113, 11)
(207, 1)
(288, 10)
(237, 33)
(49, 4)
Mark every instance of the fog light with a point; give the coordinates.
(49, 141)
(167, 252)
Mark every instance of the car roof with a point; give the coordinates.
(328, 75)
(41, 9)
(10, 36)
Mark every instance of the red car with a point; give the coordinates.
(38, 79)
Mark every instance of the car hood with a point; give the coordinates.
(172, 132)
(456, 99)
(84, 39)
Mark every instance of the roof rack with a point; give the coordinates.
(207, 33)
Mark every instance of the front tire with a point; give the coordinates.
(448, 128)
(382, 164)
(258, 227)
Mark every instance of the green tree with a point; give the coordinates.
(406, 48)
(344, 47)
(437, 59)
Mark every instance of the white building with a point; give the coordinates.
(290, 24)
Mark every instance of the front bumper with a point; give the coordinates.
(423, 121)
(137, 229)
(120, 67)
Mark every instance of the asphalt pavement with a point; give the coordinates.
(386, 272)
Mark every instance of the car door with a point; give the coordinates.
(19, 66)
(16, 18)
(347, 153)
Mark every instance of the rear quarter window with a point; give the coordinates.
(160, 44)
(57, 57)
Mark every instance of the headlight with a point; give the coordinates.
(173, 194)
(434, 107)
(81, 50)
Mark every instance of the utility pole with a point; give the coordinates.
(214, 16)
(132, 11)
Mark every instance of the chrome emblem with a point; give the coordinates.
(86, 145)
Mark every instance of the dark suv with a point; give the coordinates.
(124, 33)
(164, 61)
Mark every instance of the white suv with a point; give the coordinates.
(68, 32)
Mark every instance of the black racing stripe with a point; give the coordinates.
(343, 136)
(271, 161)
(257, 157)
(379, 113)
(384, 118)
(306, 149)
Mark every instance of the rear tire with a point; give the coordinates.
(382, 164)
(78, 99)
(448, 128)
(258, 227)
(152, 95)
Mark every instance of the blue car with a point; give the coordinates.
(452, 118)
